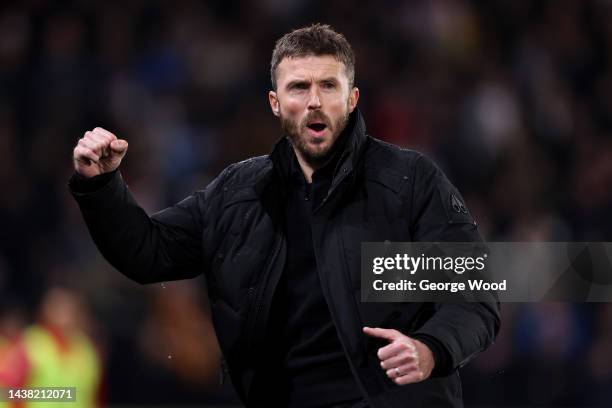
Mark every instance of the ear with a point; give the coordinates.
(274, 104)
(353, 98)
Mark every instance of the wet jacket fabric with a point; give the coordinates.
(232, 231)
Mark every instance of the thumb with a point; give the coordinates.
(387, 334)
(119, 147)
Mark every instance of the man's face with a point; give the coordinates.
(313, 101)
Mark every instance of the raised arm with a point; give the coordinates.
(165, 246)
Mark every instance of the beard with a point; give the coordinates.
(297, 134)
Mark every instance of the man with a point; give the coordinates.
(278, 238)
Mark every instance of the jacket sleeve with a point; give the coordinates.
(440, 215)
(165, 246)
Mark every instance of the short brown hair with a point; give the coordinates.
(316, 39)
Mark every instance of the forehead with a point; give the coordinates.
(310, 67)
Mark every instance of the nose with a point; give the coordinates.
(314, 102)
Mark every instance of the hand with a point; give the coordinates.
(98, 152)
(406, 360)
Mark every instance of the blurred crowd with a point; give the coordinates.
(513, 99)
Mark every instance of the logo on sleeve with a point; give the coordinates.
(457, 205)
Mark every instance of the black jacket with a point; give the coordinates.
(232, 231)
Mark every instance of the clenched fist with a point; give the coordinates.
(97, 152)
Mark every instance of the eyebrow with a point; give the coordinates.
(295, 82)
(308, 82)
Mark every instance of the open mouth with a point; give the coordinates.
(317, 127)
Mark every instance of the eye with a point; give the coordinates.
(329, 85)
(300, 86)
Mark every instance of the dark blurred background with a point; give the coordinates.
(513, 99)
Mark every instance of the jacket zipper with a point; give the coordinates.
(332, 312)
(223, 372)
